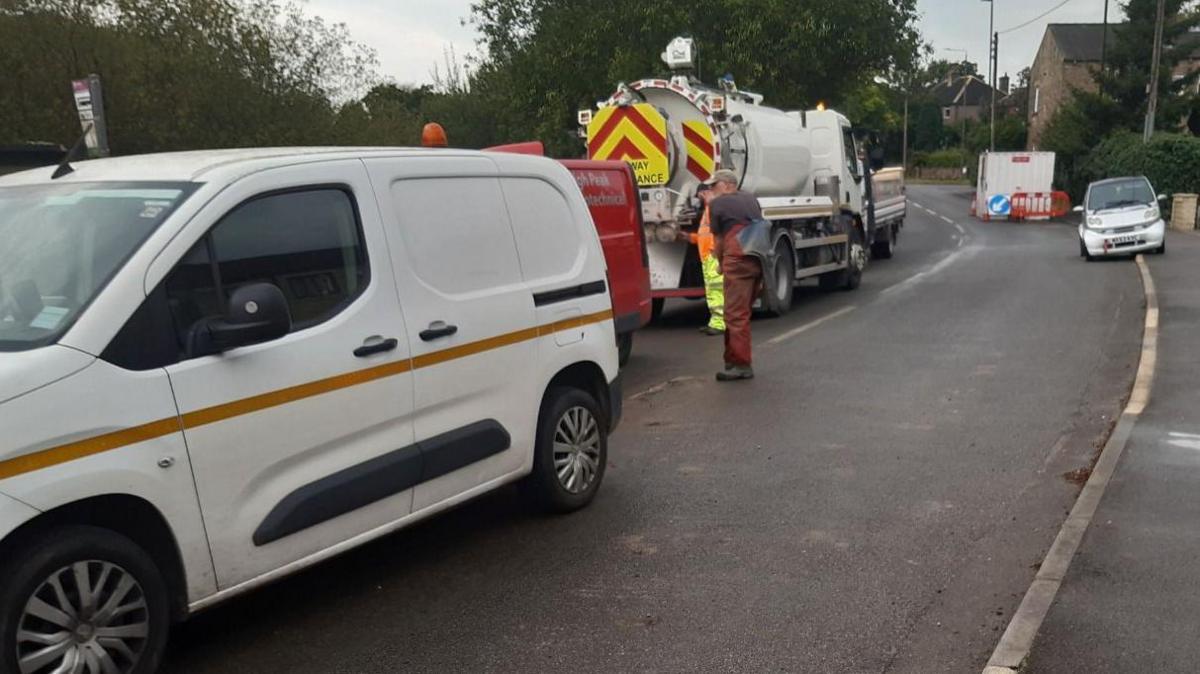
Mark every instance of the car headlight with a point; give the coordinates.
(1094, 221)
(1151, 215)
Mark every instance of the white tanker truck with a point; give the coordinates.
(804, 167)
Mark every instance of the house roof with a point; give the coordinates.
(966, 90)
(1082, 42)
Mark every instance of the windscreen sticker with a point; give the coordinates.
(49, 318)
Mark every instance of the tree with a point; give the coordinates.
(1123, 101)
(940, 70)
(180, 74)
(545, 59)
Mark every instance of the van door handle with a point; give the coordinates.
(437, 329)
(378, 347)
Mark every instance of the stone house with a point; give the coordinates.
(1068, 58)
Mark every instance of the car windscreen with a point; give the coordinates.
(61, 243)
(1119, 194)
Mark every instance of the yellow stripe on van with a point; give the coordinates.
(98, 444)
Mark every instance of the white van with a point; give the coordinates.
(217, 368)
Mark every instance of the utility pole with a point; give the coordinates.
(995, 68)
(1104, 50)
(1152, 108)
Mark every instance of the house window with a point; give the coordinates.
(945, 113)
(1037, 100)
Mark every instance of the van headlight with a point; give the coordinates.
(1094, 221)
(1151, 216)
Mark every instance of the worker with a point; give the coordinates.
(714, 283)
(730, 211)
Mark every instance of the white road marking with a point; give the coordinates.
(1184, 440)
(778, 339)
(920, 276)
(948, 220)
(960, 229)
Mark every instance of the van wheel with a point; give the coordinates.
(571, 451)
(624, 348)
(82, 599)
(656, 308)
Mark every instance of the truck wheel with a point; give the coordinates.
(882, 248)
(850, 277)
(779, 288)
(570, 452)
(624, 348)
(82, 599)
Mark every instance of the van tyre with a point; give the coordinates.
(780, 286)
(1083, 251)
(1162, 248)
(656, 308)
(571, 451)
(624, 348)
(83, 599)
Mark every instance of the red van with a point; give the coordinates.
(612, 196)
(610, 189)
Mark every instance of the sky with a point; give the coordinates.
(410, 36)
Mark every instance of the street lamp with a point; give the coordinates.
(993, 56)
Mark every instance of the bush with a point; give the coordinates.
(1171, 161)
(950, 158)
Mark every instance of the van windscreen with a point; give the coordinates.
(61, 243)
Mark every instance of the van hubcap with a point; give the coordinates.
(88, 618)
(577, 449)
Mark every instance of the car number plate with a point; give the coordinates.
(1116, 240)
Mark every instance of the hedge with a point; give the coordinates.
(1171, 161)
(951, 158)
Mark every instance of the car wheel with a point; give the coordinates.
(571, 451)
(1083, 251)
(82, 599)
(624, 348)
(1162, 248)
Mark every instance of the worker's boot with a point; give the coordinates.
(710, 331)
(735, 373)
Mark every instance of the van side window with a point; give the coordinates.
(307, 243)
(546, 231)
(456, 233)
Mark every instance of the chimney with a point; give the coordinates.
(1004, 82)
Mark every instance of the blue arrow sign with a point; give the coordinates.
(999, 205)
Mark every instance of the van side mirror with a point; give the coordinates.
(1162, 197)
(876, 156)
(1077, 209)
(258, 312)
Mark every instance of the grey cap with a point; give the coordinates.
(723, 176)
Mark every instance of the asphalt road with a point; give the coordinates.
(876, 500)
